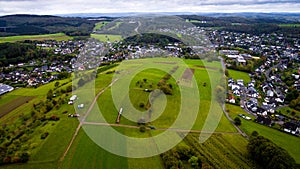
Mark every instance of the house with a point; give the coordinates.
(240, 82)
(235, 87)
(231, 100)
(237, 93)
(270, 93)
(264, 120)
(292, 127)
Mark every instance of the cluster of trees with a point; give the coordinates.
(181, 157)
(150, 38)
(13, 53)
(35, 24)
(163, 85)
(267, 154)
(10, 146)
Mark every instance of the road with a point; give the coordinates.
(226, 113)
(137, 28)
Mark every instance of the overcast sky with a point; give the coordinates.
(112, 6)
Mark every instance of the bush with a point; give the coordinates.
(237, 121)
(142, 129)
(44, 135)
(142, 105)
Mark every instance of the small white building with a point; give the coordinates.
(73, 98)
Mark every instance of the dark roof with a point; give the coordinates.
(264, 120)
(291, 125)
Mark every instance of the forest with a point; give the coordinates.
(254, 26)
(35, 24)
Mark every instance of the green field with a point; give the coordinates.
(106, 37)
(289, 25)
(57, 36)
(284, 140)
(220, 150)
(99, 25)
(239, 75)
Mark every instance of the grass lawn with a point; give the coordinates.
(284, 140)
(106, 37)
(57, 36)
(239, 75)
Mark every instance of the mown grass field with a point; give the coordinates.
(284, 140)
(239, 75)
(57, 36)
(106, 37)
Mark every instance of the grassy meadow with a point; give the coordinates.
(227, 149)
(106, 37)
(57, 36)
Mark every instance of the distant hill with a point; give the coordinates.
(36, 24)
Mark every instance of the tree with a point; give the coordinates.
(50, 94)
(80, 82)
(226, 72)
(142, 129)
(56, 84)
(237, 121)
(269, 155)
(195, 162)
(254, 134)
(24, 157)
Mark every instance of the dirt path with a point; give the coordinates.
(82, 121)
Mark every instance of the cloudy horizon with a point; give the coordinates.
(54, 7)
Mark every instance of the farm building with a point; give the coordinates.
(5, 89)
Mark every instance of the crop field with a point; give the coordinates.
(239, 75)
(13, 104)
(284, 140)
(57, 36)
(106, 37)
(220, 152)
